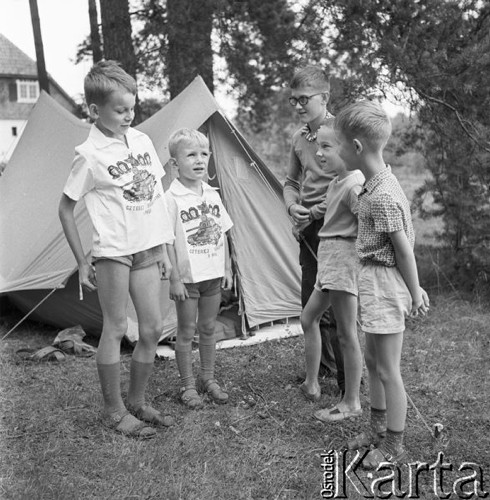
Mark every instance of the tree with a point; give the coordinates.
(95, 42)
(189, 27)
(117, 37)
(260, 43)
(438, 50)
(42, 74)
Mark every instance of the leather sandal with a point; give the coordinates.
(124, 423)
(214, 390)
(365, 440)
(376, 456)
(190, 398)
(335, 415)
(149, 414)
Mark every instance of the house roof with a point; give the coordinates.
(14, 62)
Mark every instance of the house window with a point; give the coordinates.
(27, 91)
(14, 131)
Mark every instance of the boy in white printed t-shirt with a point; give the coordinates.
(118, 173)
(200, 262)
(336, 282)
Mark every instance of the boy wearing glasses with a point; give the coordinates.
(304, 193)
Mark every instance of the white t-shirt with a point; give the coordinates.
(342, 202)
(123, 193)
(199, 224)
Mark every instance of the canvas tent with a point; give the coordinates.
(35, 260)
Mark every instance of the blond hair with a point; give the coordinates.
(104, 78)
(311, 76)
(185, 134)
(365, 120)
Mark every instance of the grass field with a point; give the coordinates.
(263, 445)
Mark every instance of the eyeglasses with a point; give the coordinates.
(302, 99)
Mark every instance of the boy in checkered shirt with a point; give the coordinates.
(388, 280)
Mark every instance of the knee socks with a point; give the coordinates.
(184, 365)
(110, 383)
(378, 422)
(138, 380)
(393, 443)
(207, 354)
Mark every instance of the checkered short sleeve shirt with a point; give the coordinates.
(383, 209)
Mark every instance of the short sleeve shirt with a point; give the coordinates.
(383, 209)
(199, 224)
(121, 186)
(342, 205)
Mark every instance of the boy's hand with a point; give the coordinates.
(178, 291)
(227, 280)
(165, 268)
(420, 304)
(299, 214)
(87, 278)
(298, 229)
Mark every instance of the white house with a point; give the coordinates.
(19, 91)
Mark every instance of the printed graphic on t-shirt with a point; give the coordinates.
(208, 231)
(141, 184)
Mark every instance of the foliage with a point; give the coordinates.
(439, 51)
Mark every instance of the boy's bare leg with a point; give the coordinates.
(388, 358)
(388, 349)
(144, 287)
(113, 286)
(344, 305)
(376, 388)
(310, 322)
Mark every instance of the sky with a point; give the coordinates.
(64, 24)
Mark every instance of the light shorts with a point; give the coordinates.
(206, 288)
(384, 299)
(338, 265)
(138, 260)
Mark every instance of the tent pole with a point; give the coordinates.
(29, 313)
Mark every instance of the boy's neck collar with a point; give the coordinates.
(372, 170)
(309, 131)
(195, 186)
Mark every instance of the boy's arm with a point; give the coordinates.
(227, 281)
(86, 272)
(178, 291)
(291, 191)
(405, 261)
(166, 269)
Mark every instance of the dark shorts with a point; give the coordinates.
(206, 288)
(138, 260)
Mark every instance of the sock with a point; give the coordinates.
(378, 422)
(110, 383)
(138, 380)
(207, 354)
(184, 365)
(393, 443)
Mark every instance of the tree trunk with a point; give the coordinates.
(94, 31)
(42, 74)
(116, 34)
(190, 53)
